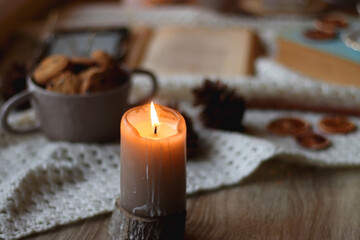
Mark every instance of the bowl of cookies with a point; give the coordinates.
(78, 99)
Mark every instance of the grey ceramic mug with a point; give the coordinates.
(94, 117)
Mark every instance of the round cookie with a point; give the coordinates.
(85, 61)
(98, 82)
(66, 82)
(88, 73)
(80, 64)
(49, 68)
(82, 61)
(102, 59)
(89, 77)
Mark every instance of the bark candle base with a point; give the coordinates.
(126, 226)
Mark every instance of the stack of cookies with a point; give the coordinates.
(79, 75)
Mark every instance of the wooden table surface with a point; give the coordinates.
(279, 201)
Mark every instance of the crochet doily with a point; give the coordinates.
(44, 184)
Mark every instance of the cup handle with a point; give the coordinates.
(153, 91)
(9, 106)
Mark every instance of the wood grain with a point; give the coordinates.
(279, 201)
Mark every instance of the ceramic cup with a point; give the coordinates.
(94, 117)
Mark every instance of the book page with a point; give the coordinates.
(177, 50)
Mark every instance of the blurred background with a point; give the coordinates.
(15, 12)
(25, 23)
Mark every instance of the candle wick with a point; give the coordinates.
(155, 129)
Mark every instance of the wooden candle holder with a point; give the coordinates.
(126, 226)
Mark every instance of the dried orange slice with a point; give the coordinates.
(336, 124)
(288, 126)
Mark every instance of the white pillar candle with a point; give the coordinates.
(153, 161)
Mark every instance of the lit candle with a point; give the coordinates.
(153, 161)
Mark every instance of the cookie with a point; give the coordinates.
(49, 68)
(66, 82)
(82, 61)
(80, 64)
(336, 124)
(97, 79)
(88, 73)
(313, 141)
(99, 82)
(103, 59)
(87, 76)
(288, 126)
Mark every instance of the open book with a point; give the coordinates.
(177, 50)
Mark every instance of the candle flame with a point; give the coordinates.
(154, 118)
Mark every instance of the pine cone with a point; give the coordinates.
(192, 138)
(223, 108)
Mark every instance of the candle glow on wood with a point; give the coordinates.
(153, 162)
